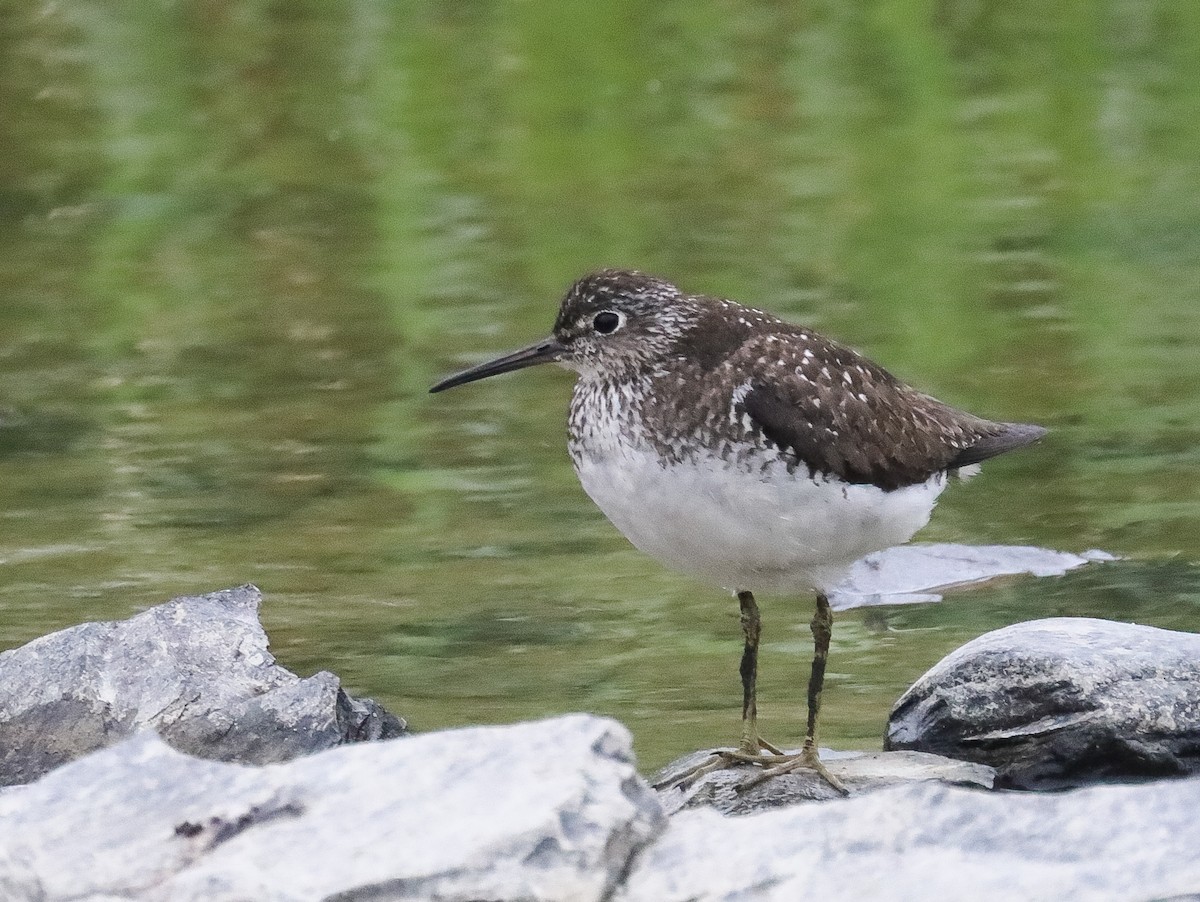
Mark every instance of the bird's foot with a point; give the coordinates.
(786, 764)
(772, 761)
(765, 754)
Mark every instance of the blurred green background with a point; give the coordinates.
(239, 239)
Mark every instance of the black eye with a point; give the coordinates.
(606, 322)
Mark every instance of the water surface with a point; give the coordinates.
(238, 240)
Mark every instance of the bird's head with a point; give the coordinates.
(610, 321)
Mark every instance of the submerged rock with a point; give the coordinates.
(914, 573)
(197, 670)
(541, 811)
(1061, 702)
(860, 772)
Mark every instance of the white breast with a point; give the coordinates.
(768, 530)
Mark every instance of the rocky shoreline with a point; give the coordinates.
(169, 757)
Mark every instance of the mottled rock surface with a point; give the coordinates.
(860, 772)
(934, 843)
(196, 669)
(541, 811)
(1061, 702)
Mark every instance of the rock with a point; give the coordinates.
(916, 573)
(860, 772)
(196, 669)
(1061, 702)
(541, 811)
(929, 842)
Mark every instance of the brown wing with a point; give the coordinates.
(842, 415)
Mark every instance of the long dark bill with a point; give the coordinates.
(547, 350)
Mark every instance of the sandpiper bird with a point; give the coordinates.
(747, 451)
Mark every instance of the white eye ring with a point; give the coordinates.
(607, 322)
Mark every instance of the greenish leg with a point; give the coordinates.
(751, 629)
(751, 749)
(752, 745)
(822, 630)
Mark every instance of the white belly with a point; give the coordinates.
(772, 531)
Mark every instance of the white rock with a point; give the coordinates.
(929, 843)
(542, 811)
(196, 669)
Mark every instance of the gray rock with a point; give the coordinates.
(928, 843)
(917, 573)
(860, 772)
(1060, 702)
(542, 811)
(196, 669)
